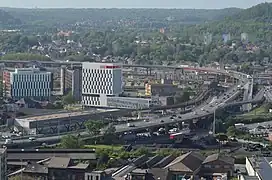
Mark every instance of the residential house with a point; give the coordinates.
(217, 164)
(188, 166)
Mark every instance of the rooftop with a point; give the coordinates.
(59, 162)
(57, 115)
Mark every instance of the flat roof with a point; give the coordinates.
(59, 115)
(41, 156)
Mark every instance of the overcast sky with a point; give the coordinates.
(198, 4)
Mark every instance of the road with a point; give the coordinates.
(205, 110)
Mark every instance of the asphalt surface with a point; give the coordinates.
(205, 110)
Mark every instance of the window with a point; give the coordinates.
(97, 178)
(217, 166)
(207, 166)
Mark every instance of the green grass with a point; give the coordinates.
(108, 147)
(258, 111)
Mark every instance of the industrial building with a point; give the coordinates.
(27, 83)
(99, 81)
(59, 122)
(132, 103)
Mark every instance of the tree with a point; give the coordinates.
(71, 142)
(110, 130)
(68, 99)
(231, 131)
(94, 127)
(19, 177)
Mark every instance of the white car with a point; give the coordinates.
(32, 138)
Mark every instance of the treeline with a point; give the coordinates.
(25, 56)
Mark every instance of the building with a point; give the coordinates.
(3, 164)
(27, 83)
(188, 165)
(191, 165)
(71, 80)
(131, 103)
(99, 81)
(55, 168)
(59, 122)
(258, 168)
(160, 89)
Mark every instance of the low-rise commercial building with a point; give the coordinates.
(58, 122)
(27, 83)
(131, 103)
(160, 89)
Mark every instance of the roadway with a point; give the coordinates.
(204, 111)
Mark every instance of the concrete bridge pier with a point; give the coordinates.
(180, 125)
(139, 115)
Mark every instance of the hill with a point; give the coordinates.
(6, 19)
(157, 16)
(259, 13)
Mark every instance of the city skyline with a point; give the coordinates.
(182, 4)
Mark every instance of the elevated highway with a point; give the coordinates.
(199, 113)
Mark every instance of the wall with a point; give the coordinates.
(249, 168)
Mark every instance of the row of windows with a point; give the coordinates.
(92, 177)
(96, 91)
(31, 77)
(30, 92)
(217, 166)
(31, 85)
(91, 100)
(91, 76)
(97, 71)
(98, 83)
(127, 104)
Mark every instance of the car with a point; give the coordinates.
(202, 109)
(32, 138)
(130, 125)
(174, 115)
(171, 117)
(211, 105)
(179, 117)
(162, 121)
(195, 113)
(146, 120)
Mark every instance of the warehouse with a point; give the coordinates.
(60, 122)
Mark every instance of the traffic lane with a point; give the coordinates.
(142, 124)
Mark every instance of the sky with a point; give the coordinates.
(184, 4)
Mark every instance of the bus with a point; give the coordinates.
(179, 136)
